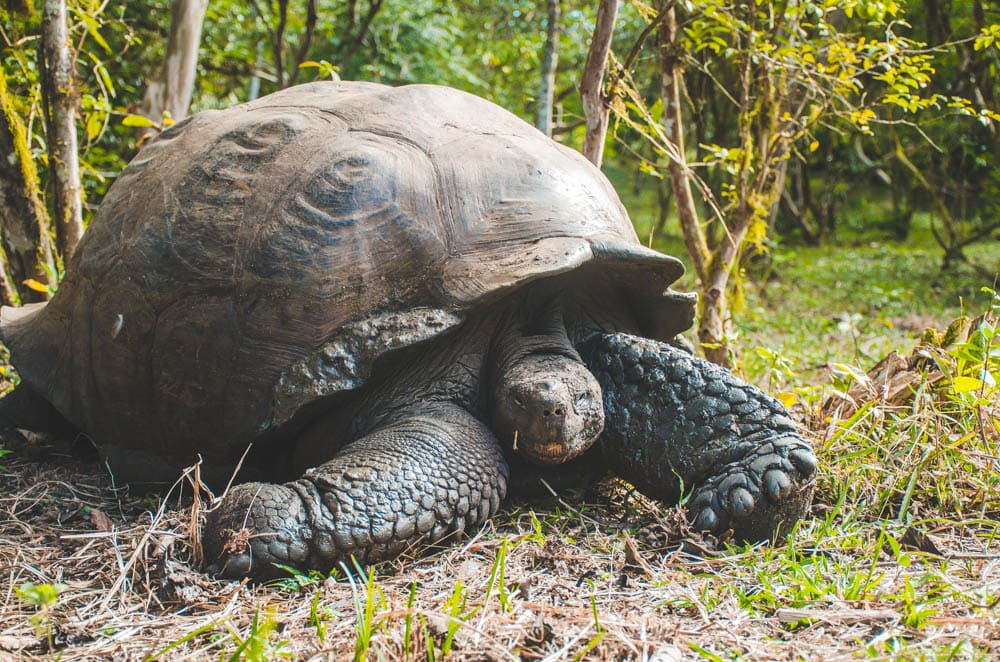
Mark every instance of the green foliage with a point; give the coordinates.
(324, 69)
(258, 645)
(457, 614)
(99, 40)
(43, 597)
(194, 634)
(977, 360)
(318, 616)
(299, 580)
(818, 70)
(364, 607)
(852, 305)
(408, 621)
(927, 456)
(497, 577)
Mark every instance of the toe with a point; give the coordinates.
(733, 481)
(760, 494)
(777, 484)
(804, 460)
(707, 520)
(741, 502)
(234, 566)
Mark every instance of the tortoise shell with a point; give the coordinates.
(253, 260)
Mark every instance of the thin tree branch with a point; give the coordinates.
(306, 42)
(355, 44)
(595, 108)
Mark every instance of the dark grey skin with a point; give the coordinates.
(427, 452)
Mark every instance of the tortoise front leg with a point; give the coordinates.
(416, 480)
(674, 422)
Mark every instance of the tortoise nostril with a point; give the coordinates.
(559, 411)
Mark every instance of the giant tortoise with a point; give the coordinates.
(403, 301)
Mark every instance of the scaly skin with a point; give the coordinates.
(674, 422)
(417, 480)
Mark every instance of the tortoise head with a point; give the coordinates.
(549, 407)
(545, 403)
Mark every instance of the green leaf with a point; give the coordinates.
(788, 398)
(94, 124)
(92, 29)
(966, 384)
(36, 286)
(137, 120)
(851, 372)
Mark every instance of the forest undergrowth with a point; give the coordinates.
(899, 559)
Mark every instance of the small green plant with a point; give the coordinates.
(774, 367)
(193, 634)
(706, 654)
(599, 630)
(258, 645)
(318, 616)
(916, 603)
(44, 598)
(497, 578)
(3, 452)
(298, 580)
(537, 536)
(977, 359)
(456, 615)
(364, 608)
(408, 621)
(324, 69)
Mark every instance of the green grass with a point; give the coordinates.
(855, 304)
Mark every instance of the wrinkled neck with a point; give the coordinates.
(536, 327)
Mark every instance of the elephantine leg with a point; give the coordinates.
(413, 481)
(674, 422)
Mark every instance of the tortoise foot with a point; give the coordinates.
(759, 494)
(403, 486)
(257, 526)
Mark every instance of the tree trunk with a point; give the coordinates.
(60, 93)
(24, 221)
(550, 61)
(671, 80)
(712, 270)
(8, 285)
(595, 108)
(171, 90)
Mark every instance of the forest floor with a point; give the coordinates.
(900, 558)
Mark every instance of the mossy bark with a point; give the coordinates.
(24, 221)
